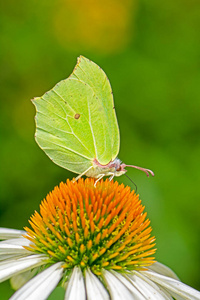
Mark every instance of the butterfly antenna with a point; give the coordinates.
(132, 182)
(146, 171)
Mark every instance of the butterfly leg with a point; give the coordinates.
(100, 177)
(111, 177)
(79, 176)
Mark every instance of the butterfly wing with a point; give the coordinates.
(76, 120)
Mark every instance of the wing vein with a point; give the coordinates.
(53, 126)
(64, 147)
(76, 135)
(51, 111)
(68, 121)
(93, 90)
(64, 102)
(95, 147)
(71, 133)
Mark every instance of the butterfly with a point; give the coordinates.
(76, 124)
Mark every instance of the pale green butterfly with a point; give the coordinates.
(76, 124)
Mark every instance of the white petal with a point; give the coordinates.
(14, 266)
(12, 249)
(163, 270)
(11, 256)
(17, 241)
(76, 286)
(173, 285)
(117, 289)
(94, 287)
(128, 283)
(19, 280)
(8, 233)
(41, 286)
(177, 297)
(148, 288)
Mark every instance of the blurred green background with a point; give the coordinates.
(150, 52)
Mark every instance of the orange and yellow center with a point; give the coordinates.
(96, 227)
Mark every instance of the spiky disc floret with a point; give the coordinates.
(100, 227)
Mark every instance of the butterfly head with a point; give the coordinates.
(118, 167)
(113, 168)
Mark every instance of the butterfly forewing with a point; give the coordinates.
(102, 112)
(76, 121)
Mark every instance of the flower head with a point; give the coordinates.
(95, 240)
(100, 227)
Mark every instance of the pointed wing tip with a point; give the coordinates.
(79, 60)
(81, 57)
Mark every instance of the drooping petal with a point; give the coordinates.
(163, 270)
(41, 286)
(14, 266)
(9, 233)
(6, 248)
(94, 288)
(17, 241)
(174, 285)
(12, 249)
(171, 294)
(148, 288)
(127, 282)
(7, 257)
(76, 286)
(117, 289)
